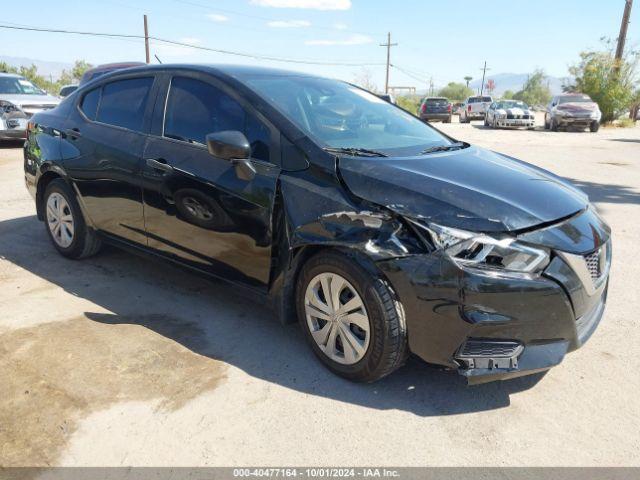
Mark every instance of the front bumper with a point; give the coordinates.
(515, 122)
(583, 122)
(543, 316)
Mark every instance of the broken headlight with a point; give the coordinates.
(480, 250)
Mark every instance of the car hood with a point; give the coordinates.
(515, 111)
(578, 107)
(471, 188)
(20, 100)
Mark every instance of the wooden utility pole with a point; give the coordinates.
(484, 71)
(388, 45)
(623, 29)
(146, 40)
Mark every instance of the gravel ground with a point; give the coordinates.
(117, 360)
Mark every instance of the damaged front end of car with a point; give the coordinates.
(13, 121)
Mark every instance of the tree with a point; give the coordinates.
(455, 91)
(364, 79)
(609, 82)
(534, 91)
(508, 95)
(468, 79)
(74, 76)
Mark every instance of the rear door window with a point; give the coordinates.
(196, 108)
(89, 104)
(123, 102)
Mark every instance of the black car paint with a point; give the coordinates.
(307, 199)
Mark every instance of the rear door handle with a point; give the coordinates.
(73, 133)
(161, 165)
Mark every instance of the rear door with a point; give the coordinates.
(197, 209)
(102, 150)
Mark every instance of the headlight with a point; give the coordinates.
(595, 114)
(7, 107)
(480, 250)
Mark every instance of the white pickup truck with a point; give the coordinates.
(475, 108)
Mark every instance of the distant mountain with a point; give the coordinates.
(45, 68)
(515, 81)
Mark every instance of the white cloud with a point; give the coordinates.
(355, 39)
(216, 17)
(340, 26)
(310, 4)
(289, 24)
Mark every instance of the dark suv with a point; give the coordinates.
(379, 234)
(435, 108)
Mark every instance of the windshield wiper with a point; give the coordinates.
(355, 152)
(444, 148)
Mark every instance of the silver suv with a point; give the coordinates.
(19, 100)
(572, 110)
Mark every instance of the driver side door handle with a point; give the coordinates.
(160, 165)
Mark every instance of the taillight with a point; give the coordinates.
(468, 108)
(449, 108)
(424, 107)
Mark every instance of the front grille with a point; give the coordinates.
(594, 264)
(511, 116)
(488, 348)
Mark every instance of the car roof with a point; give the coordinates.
(237, 71)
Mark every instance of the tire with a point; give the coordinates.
(83, 241)
(546, 124)
(447, 120)
(553, 125)
(595, 126)
(383, 349)
(495, 123)
(486, 121)
(463, 118)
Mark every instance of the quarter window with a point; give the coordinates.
(195, 109)
(124, 101)
(89, 105)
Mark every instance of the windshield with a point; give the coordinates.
(18, 85)
(574, 98)
(338, 115)
(479, 99)
(512, 104)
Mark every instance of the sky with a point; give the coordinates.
(441, 40)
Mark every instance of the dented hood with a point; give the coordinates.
(471, 188)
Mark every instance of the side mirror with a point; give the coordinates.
(229, 145)
(233, 146)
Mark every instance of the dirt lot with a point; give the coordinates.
(120, 361)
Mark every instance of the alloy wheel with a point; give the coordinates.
(60, 220)
(337, 318)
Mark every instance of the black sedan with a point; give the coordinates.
(379, 234)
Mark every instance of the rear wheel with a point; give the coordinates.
(65, 223)
(351, 318)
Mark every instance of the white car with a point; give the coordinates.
(509, 113)
(19, 100)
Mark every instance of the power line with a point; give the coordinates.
(197, 47)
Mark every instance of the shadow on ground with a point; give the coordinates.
(607, 192)
(10, 144)
(213, 319)
(627, 140)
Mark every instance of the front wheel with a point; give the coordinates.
(595, 126)
(65, 224)
(351, 318)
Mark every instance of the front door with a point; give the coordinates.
(197, 209)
